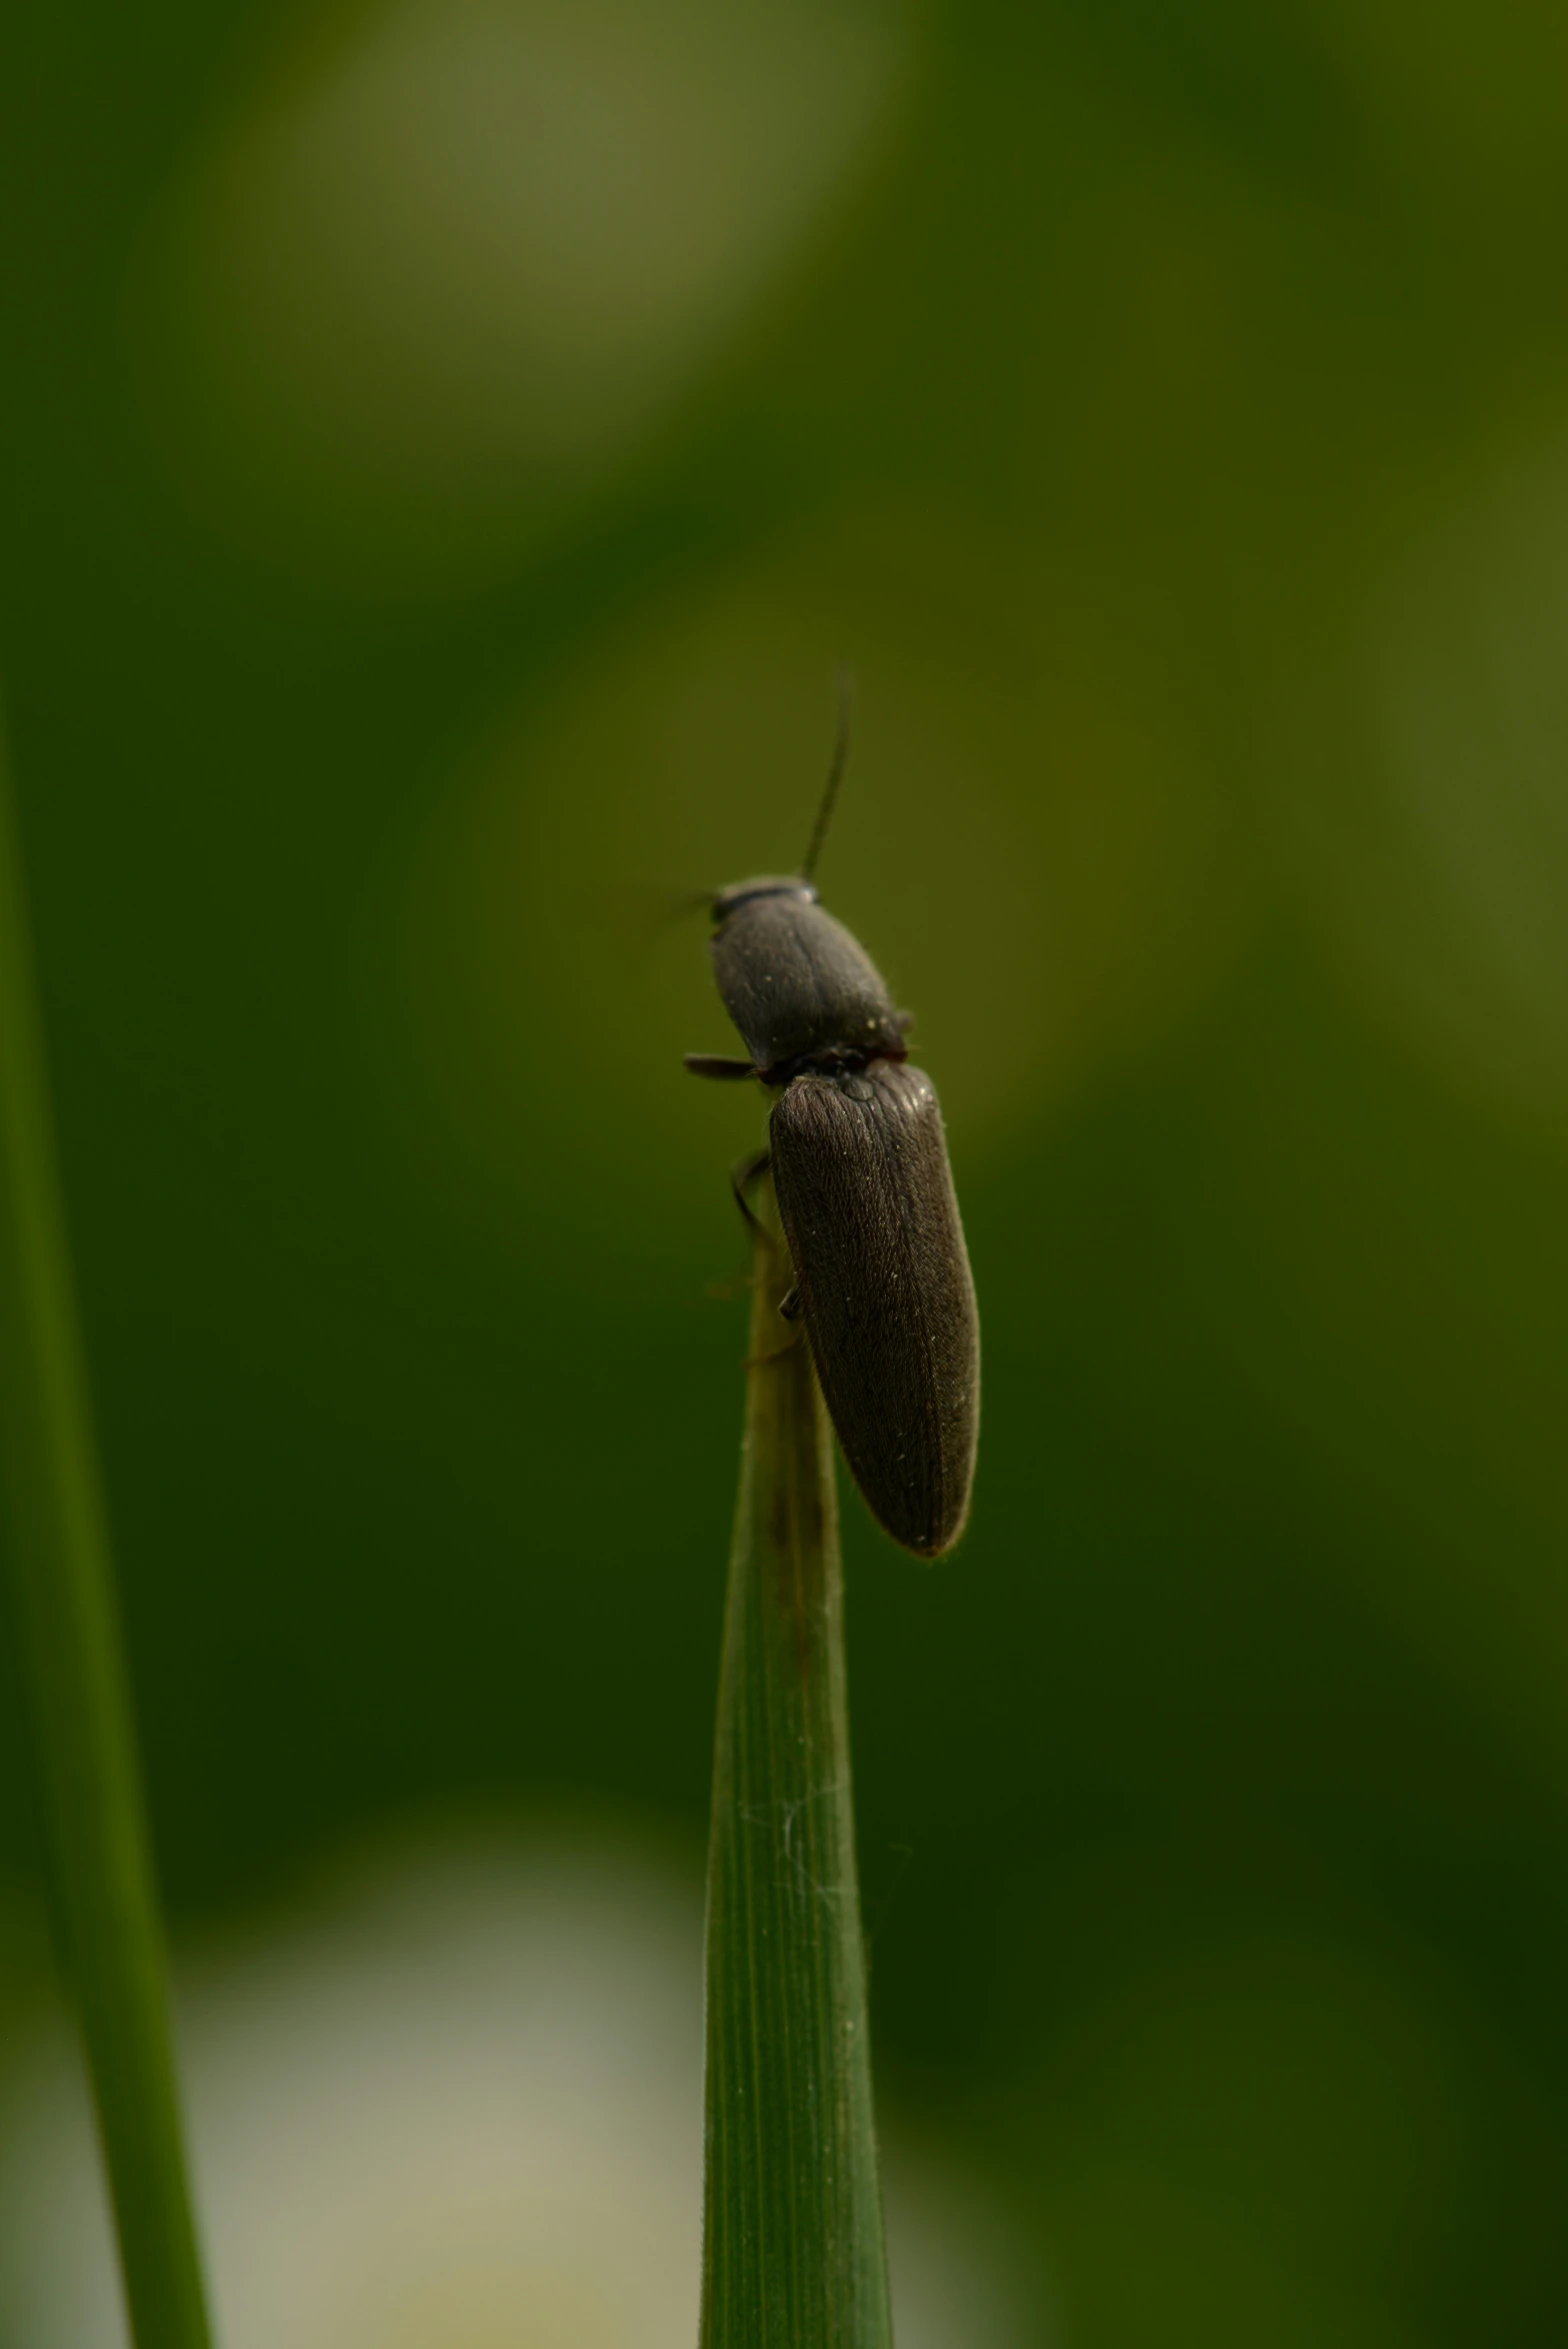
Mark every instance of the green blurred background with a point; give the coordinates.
(448, 445)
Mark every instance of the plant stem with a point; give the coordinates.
(100, 1864)
(792, 2255)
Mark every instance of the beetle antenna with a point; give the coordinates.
(819, 830)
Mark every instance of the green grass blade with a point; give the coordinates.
(100, 1865)
(792, 2255)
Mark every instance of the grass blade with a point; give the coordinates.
(100, 1866)
(792, 2253)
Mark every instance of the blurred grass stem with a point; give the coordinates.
(792, 2253)
(100, 1864)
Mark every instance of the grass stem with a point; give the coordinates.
(100, 1863)
(793, 2254)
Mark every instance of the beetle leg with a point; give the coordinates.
(789, 1304)
(755, 1361)
(742, 1175)
(714, 1064)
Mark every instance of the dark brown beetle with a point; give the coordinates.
(859, 1164)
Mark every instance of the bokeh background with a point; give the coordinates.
(448, 445)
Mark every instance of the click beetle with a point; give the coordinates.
(859, 1164)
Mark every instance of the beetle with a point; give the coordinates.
(859, 1162)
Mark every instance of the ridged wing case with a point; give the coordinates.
(868, 1207)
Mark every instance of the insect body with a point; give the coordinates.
(859, 1165)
